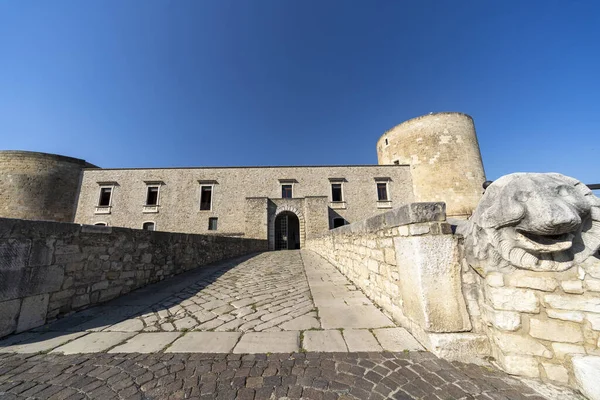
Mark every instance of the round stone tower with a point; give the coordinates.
(444, 159)
(39, 186)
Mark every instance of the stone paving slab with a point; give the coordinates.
(271, 342)
(397, 339)
(205, 342)
(324, 341)
(361, 340)
(147, 343)
(314, 376)
(93, 343)
(35, 343)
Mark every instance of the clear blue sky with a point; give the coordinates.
(290, 82)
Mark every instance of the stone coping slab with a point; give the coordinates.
(37, 342)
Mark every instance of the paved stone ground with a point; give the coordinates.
(211, 333)
(407, 375)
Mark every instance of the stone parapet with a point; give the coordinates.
(409, 263)
(50, 269)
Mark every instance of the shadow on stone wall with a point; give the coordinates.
(49, 269)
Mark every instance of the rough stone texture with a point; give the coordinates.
(376, 376)
(9, 313)
(430, 282)
(179, 198)
(586, 371)
(538, 231)
(39, 186)
(331, 340)
(205, 342)
(444, 157)
(55, 268)
(532, 221)
(33, 312)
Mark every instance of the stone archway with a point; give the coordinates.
(279, 210)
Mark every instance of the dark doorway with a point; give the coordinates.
(287, 231)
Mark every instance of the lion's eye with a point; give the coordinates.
(522, 196)
(563, 191)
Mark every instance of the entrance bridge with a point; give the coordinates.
(280, 324)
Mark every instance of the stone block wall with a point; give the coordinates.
(409, 263)
(538, 321)
(49, 269)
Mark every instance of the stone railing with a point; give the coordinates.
(49, 269)
(409, 263)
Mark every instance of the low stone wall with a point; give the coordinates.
(49, 269)
(537, 321)
(409, 263)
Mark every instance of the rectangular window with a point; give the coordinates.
(205, 197)
(212, 224)
(382, 194)
(337, 222)
(148, 226)
(286, 191)
(152, 196)
(336, 192)
(105, 194)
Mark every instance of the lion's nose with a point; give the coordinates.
(564, 218)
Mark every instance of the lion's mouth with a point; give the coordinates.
(547, 243)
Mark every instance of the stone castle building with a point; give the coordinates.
(430, 158)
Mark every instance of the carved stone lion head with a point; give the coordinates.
(539, 222)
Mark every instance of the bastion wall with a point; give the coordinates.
(39, 186)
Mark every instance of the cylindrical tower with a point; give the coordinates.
(444, 159)
(39, 186)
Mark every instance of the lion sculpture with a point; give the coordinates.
(538, 222)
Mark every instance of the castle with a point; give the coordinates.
(430, 158)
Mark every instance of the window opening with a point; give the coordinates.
(152, 196)
(286, 191)
(336, 192)
(105, 194)
(382, 194)
(337, 222)
(206, 197)
(148, 226)
(212, 224)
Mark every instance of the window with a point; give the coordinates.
(286, 191)
(100, 224)
(396, 162)
(152, 196)
(386, 141)
(337, 222)
(205, 197)
(148, 226)
(212, 224)
(336, 192)
(382, 193)
(105, 194)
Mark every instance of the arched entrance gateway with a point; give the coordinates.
(286, 228)
(287, 231)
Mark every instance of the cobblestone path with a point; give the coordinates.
(383, 375)
(274, 325)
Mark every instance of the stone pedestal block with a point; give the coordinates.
(33, 312)
(429, 271)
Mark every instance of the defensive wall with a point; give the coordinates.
(39, 186)
(445, 162)
(49, 269)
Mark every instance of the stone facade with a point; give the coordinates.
(39, 186)
(49, 269)
(245, 200)
(444, 158)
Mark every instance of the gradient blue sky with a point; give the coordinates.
(289, 82)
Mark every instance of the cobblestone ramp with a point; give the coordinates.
(314, 376)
